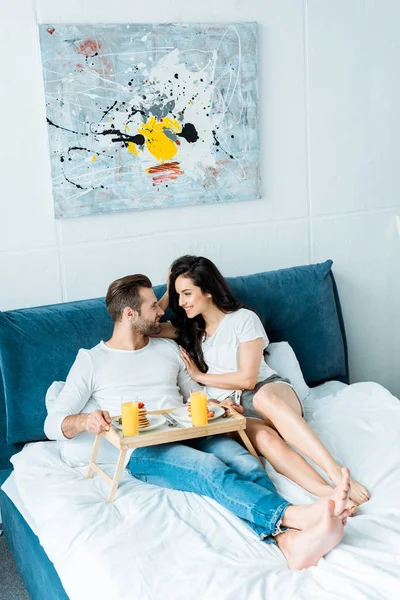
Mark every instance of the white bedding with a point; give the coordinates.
(161, 544)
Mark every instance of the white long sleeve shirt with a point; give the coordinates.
(103, 378)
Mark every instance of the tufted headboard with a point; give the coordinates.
(38, 345)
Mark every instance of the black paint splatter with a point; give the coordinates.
(189, 133)
(108, 110)
(64, 128)
(123, 137)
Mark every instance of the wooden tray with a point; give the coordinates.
(234, 422)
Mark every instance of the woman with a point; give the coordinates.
(222, 345)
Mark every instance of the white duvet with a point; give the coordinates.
(160, 544)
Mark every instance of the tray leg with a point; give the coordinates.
(95, 450)
(117, 474)
(249, 445)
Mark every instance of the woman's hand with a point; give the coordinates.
(232, 404)
(191, 366)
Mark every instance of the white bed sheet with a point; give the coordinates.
(154, 543)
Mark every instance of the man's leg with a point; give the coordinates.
(188, 469)
(236, 457)
(184, 468)
(241, 461)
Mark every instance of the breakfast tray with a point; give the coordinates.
(233, 422)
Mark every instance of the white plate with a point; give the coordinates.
(182, 413)
(154, 420)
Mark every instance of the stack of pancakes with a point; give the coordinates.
(143, 420)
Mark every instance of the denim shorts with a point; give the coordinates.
(247, 396)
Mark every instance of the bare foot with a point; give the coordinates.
(308, 515)
(351, 507)
(340, 495)
(303, 549)
(358, 493)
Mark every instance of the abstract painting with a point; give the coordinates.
(150, 115)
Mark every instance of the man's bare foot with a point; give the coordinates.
(340, 495)
(352, 507)
(303, 549)
(358, 493)
(308, 515)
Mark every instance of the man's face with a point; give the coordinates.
(150, 313)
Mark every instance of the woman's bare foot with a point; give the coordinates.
(308, 515)
(303, 549)
(358, 493)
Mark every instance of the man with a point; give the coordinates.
(131, 364)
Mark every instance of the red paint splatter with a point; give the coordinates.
(166, 172)
(51, 30)
(214, 172)
(88, 48)
(177, 142)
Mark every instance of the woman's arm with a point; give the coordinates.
(250, 356)
(167, 331)
(164, 301)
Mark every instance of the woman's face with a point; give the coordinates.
(191, 298)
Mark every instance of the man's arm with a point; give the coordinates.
(94, 422)
(64, 419)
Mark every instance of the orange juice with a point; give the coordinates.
(130, 418)
(199, 408)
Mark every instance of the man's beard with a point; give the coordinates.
(147, 327)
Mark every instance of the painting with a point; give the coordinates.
(144, 116)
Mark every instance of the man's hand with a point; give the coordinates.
(98, 421)
(95, 422)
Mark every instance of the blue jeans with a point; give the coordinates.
(220, 468)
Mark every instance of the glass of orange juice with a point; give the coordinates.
(198, 400)
(130, 418)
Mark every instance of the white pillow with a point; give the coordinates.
(52, 394)
(283, 360)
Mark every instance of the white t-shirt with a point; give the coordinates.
(221, 350)
(102, 378)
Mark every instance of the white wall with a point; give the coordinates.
(329, 124)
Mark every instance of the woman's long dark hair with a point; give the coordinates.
(205, 275)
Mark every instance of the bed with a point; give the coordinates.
(154, 543)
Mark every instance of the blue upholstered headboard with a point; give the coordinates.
(38, 345)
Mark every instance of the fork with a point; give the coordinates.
(170, 420)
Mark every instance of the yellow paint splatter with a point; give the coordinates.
(94, 158)
(132, 149)
(157, 143)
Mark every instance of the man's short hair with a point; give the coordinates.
(125, 292)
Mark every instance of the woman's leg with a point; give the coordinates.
(289, 463)
(280, 408)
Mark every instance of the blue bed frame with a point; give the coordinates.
(36, 569)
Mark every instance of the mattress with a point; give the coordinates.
(154, 543)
